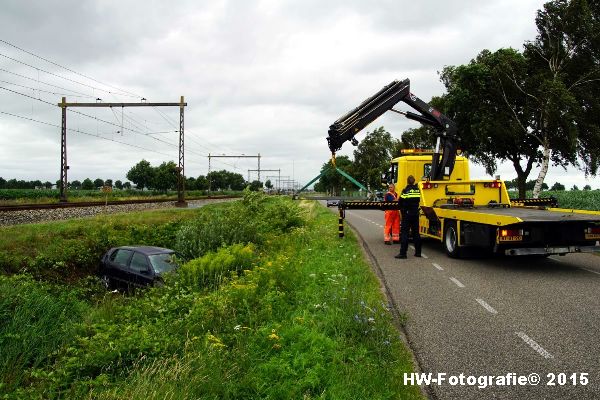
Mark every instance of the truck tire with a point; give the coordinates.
(451, 239)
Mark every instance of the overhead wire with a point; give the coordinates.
(48, 84)
(123, 93)
(67, 69)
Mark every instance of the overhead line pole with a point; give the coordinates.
(63, 142)
(266, 170)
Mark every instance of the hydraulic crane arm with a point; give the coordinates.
(347, 126)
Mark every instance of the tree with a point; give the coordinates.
(566, 72)
(492, 114)
(557, 186)
(331, 181)
(539, 106)
(236, 181)
(165, 177)
(201, 183)
(141, 174)
(87, 184)
(255, 186)
(225, 180)
(372, 157)
(119, 184)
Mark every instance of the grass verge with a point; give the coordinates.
(298, 316)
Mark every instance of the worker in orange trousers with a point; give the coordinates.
(391, 231)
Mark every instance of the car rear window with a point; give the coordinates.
(162, 262)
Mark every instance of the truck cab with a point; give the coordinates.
(417, 162)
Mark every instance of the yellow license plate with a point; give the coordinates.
(592, 235)
(517, 238)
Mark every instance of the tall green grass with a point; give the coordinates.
(35, 321)
(294, 314)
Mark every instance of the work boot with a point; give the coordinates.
(401, 256)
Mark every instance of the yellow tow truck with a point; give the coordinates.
(456, 210)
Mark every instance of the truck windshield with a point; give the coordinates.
(162, 262)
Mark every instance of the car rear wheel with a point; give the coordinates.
(106, 282)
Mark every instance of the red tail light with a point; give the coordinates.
(494, 184)
(510, 232)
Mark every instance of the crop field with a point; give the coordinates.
(572, 199)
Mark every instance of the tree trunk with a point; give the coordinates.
(542, 175)
(521, 184)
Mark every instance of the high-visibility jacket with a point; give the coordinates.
(391, 230)
(409, 200)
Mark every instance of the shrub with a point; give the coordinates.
(210, 270)
(249, 220)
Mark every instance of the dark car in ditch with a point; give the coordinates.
(131, 266)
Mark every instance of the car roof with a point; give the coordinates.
(148, 250)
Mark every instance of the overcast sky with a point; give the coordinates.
(264, 77)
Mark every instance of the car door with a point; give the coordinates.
(119, 262)
(139, 267)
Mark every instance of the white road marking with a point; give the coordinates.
(533, 344)
(458, 283)
(438, 267)
(486, 306)
(590, 270)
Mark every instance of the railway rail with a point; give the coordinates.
(51, 206)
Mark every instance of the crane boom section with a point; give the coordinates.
(347, 126)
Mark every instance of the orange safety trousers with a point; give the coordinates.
(392, 226)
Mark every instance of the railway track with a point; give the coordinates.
(51, 206)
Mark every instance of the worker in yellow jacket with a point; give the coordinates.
(391, 231)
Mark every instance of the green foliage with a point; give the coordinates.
(331, 181)
(372, 157)
(35, 321)
(571, 199)
(248, 220)
(165, 177)
(255, 186)
(225, 180)
(141, 174)
(298, 316)
(69, 251)
(213, 268)
(87, 184)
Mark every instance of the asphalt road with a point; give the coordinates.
(495, 316)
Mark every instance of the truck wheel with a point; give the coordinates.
(451, 240)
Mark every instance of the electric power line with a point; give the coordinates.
(68, 69)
